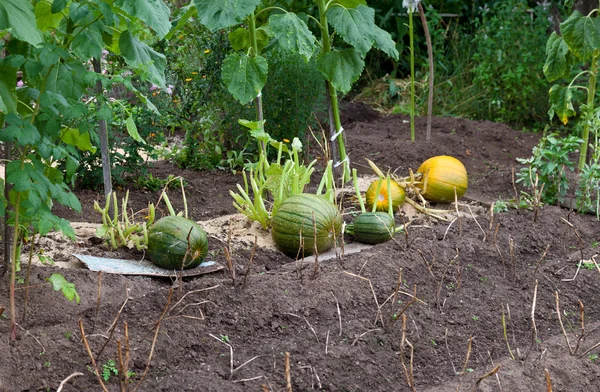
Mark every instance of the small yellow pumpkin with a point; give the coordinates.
(441, 175)
(381, 199)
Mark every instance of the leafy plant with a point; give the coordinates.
(577, 49)
(245, 71)
(281, 180)
(548, 163)
(109, 369)
(59, 283)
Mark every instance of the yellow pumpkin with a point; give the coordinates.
(381, 200)
(442, 175)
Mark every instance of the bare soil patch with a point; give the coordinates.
(340, 326)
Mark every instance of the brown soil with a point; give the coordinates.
(339, 326)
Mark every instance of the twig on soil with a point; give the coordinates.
(448, 349)
(408, 304)
(448, 228)
(98, 299)
(498, 248)
(158, 324)
(288, 376)
(534, 333)
(511, 252)
(439, 290)
(562, 327)
(113, 326)
(229, 266)
(548, 381)
(309, 326)
(89, 351)
(189, 293)
(478, 225)
(250, 262)
(426, 263)
(457, 213)
(337, 303)
(27, 333)
(488, 374)
(378, 315)
(66, 380)
(580, 250)
(492, 216)
(326, 342)
(457, 269)
(365, 263)
(313, 374)
(230, 353)
(497, 377)
(537, 266)
(469, 347)
(408, 372)
(505, 334)
(363, 334)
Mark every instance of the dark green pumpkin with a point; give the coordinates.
(295, 216)
(373, 227)
(168, 243)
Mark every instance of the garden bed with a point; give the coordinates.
(340, 323)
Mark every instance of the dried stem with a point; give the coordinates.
(562, 327)
(66, 380)
(338, 311)
(288, 376)
(113, 326)
(158, 323)
(378, 316)
(534, 333)
(505, 334)
(89, 351)
(548, 381)
(488, 374)
(497, 247)
(250, 262)
(537, 266)
(469, 347)
(426, 263)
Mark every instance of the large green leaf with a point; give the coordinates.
(562, 105)
(240, 39)
(18, 15)
(244, 76)
(45, 19)
(582, 35)
(152, 12)
(8, 83)
(354, 25)
(384, 42)
(350, 3)
(293, 34)
(186, 13)
(341, 68)
(82, 141)
(556, 58)
(143, 58)
(132, 129)
(221, 14)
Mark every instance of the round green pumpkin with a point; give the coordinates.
(168, 243)
(373, 227)
(293, 225)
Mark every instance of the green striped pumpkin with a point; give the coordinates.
(295, 217)
(168, 243)
(373, 227)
